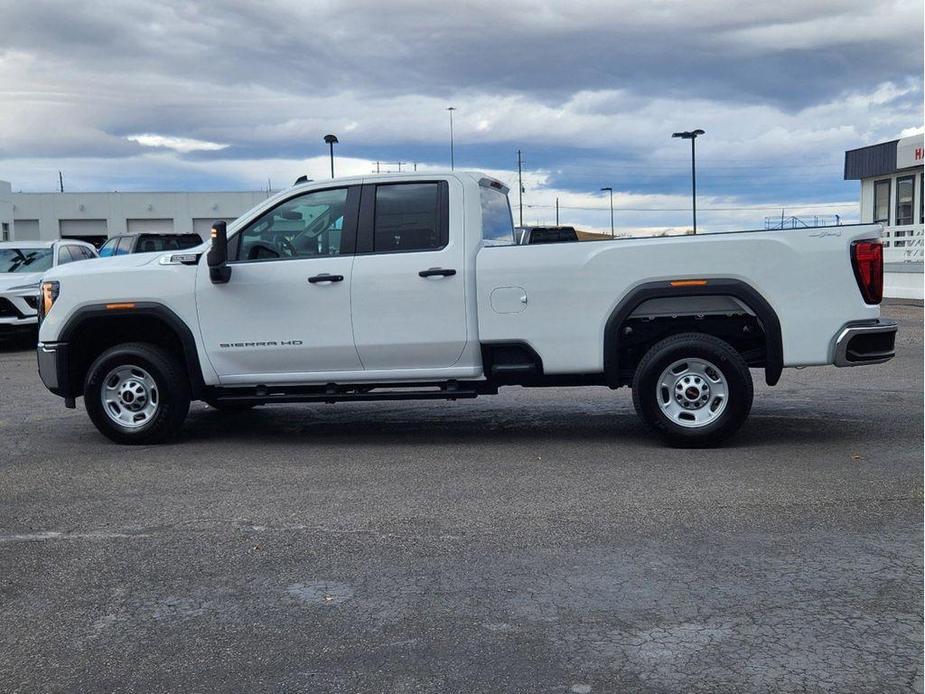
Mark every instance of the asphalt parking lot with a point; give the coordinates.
(537, 541)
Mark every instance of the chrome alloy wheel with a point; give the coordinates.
(129, 396)
(692, 392)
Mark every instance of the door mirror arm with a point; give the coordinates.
(217, 259)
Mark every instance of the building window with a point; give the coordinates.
(882, 202)
(905, 194)
(5, 236)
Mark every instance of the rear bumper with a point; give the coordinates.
(866, 342)
(53, 367)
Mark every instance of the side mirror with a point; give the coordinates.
(219, 272)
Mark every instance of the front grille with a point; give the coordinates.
(7, 310)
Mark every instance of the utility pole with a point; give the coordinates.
(377, 167)
(610, 189)
(60, 182)
(557, 211)
(452, 146)
(520, 187)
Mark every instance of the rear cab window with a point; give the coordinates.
(497, 221)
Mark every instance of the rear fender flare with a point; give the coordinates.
(766, 315)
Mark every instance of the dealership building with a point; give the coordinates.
(94, 217)
(892, 184)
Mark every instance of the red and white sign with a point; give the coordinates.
(910, 151)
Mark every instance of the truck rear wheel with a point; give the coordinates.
(694, 390)
(137, 393)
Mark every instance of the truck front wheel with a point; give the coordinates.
(693, 389)
(137, 393)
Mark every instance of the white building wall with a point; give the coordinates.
(903, 245)
(113, 210)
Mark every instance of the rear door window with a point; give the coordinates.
(408, 217)
(64, 255)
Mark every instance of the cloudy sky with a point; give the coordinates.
(161, 95)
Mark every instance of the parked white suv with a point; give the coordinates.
(402, 287)
(22, 264)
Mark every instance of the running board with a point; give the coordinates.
(333, 392)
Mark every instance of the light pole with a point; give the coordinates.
(452, 153)
(331, 139)
(692, 136)
(608, 188)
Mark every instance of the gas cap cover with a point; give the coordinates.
(509, 299)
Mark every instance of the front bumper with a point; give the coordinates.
(18, 310)
(17, 325)
(53, 367)
(865, 342)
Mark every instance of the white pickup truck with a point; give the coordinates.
(410, 286)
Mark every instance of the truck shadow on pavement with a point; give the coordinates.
(491, 426)
(17, 343)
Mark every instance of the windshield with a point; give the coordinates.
(25, 259)
(108, 248)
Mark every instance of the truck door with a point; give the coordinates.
(408, 296)
(286, 309)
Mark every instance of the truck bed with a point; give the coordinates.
(543, 295)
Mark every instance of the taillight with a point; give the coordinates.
(867, 261)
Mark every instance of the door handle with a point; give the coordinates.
(326, 278)
(437, 272)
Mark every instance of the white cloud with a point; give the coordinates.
(183, 145)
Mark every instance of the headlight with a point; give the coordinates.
(50, 291)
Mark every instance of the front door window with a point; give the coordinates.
(307, 226)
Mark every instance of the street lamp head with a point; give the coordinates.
(450, 108)
(688, 134)
(606, 189)
(330, 139)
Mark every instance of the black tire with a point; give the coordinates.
(172, 386)
(733, 368)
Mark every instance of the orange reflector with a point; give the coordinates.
(116, 307)
(688, 283)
